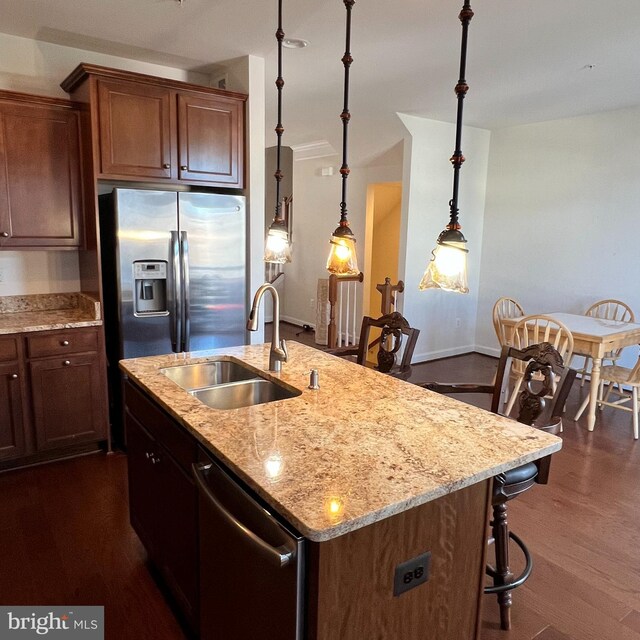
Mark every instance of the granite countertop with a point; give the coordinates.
(363, 447)
(41, 312)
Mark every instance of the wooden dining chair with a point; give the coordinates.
(613, 375)
(396, 336)
(534, 330)
(542, 364)
(607, 310)
(505, 308)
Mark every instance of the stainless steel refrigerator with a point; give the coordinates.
(173, 270)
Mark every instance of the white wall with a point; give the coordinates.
(38, 67)
(427, 185)
(562, 224)
(316, 213)
(246, 74)
(24, 272)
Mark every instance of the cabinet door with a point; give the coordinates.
(210, 139)
(67, 400)
(178, 557)
(144, 489)
(163, 507)
(11, 426)
(135, 129)
(40, 185)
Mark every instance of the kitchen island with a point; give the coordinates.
(370, 470)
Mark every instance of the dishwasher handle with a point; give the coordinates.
(280, 556)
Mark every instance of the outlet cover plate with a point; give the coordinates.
(411, 573)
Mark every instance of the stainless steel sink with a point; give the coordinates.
(244, 394)
(207, 374)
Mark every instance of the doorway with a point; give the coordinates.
(384, 209)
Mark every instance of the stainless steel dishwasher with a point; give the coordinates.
(251, 564)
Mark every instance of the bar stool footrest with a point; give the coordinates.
(521, 579)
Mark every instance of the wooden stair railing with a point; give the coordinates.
(342, 311)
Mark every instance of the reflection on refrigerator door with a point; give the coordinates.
(213, 227)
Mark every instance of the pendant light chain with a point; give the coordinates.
(447, 268)
(461, 91)
(343, 260)
(345, 116)
(279, 128)
(277, 248)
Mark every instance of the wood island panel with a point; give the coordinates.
(351, 595)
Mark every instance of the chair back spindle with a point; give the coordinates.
(505, 308)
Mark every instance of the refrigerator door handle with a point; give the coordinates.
(176, 312)
(186, 288)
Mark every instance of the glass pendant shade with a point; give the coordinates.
(277, 248)
(447, 269)
(343, 260)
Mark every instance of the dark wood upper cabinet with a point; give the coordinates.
(135, 129)
(145, 128)
(209, 139)
(40, 175)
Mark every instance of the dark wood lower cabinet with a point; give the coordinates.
(53, 396)
(12, 441)
(65, 394)
(163, 504)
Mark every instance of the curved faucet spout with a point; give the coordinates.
(278, 352)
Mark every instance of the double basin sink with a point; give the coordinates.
(227, 384)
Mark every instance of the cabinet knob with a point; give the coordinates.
(155, 460)
(64, 343)
(14, 376)
(4, 234)
(166, 165)
(183, 167)
(66, 363)
(147, 455)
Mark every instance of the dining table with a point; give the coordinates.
(593, 337)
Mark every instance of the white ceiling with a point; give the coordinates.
(527, 59)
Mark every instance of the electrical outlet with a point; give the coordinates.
(458, 323)
(312, 303)
(1, 275)
(411, 573)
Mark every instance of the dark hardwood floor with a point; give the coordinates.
(65, 536)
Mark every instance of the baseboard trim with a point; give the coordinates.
(297, 321)
(494, 352)
(442, 353)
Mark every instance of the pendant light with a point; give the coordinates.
(448, 267)
(342, 255)
(277, 246)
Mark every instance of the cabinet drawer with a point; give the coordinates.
(62, 342)
(164, 429)
(8, 349)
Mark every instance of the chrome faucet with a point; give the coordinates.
(278, 352)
